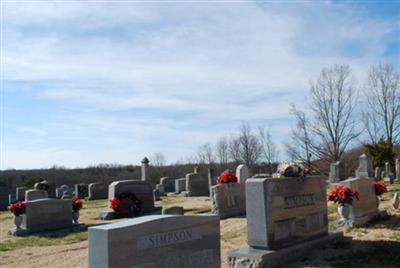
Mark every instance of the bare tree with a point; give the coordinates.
(205, 154)
(333, 109)
(158, 159)
(222, 151)
(382, 116)
(234, 149)
(268, 147)
(299, 148)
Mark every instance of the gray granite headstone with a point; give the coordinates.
(336, 173)
(81, 190)
(20, 193)
(242, 173)
(180, 185)
(160, 188)
(388, 176)
(157, 195)
(31, 195)
(228, 199)
(11, 199)
(365, 167)
(97, 191)
(196, 185)
(168, 183)
(156, 241)
(378, 172)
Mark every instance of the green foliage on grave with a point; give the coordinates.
(381, 152)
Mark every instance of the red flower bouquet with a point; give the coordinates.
(380, 188)
(77, 204)
(342, 194)
(17, 208)
(226, 177)
(126, 205)
(114, 203)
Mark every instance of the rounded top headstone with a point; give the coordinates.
(145, 160)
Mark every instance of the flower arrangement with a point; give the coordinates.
(380, 188)
(290, 170)
(342, 195)
(17, 208)
(226, 177)
(77, 204)
(126, 204)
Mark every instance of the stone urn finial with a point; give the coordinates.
(145, 161)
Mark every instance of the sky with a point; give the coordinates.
(89, 82)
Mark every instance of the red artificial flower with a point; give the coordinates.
(17, 208)
(114, 203)
(77, 203)
(226, 177)
(342, 194)
(380, 188)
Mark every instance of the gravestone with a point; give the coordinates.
(365, 167)
(365, 209)
(196, 185)
(242, 173)
(20, 193)
(377, 175)
(286, 217)
(397, 169)
(145, 167)
(157, 195)
(11, 199)
(388, 176)
(97, 191)
(336, 173)
(45, 215)
(42, 185)
(31, 195)
(228, 200)
(67, 195)
(180, 185)
(168, 183)
(81, 190)
(173, 211)
(63, 188)
(160, 189)
(211, 178)
(141, 189)
(156, 241)
(261, 175)
(396, 201)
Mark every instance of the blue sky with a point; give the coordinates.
(112, 81)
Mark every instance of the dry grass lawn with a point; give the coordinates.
(376, 245)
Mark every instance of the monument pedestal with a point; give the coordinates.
(247, 256)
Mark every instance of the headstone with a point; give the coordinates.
(377, 175)
(157, 195)
(160, 189)
(145, 167)
(97, 191)
(196, 185)
(63, 188)
(168, 183)
(173, 211)
(388, 176)
(43, 215)
(20, 193)
(242, 173)
(228, 200)
(31, 195)
(43, 185)
(196, 170)
(211, 177)
(366, 208)
(81, 190)
(336, 173)
(286, 217)
(11, 199)
(156, 241)
(396, 201)
(67, 195)
(397, 169)
(180, 185)
(141, 189)
(365, 168)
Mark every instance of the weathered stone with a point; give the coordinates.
(81, 190)
(211, 177)
(180, 185)
(228, 200)
(396, 201)
(97, 191)
(45, 214)
(63, 188)
(336, 173)
(365, 167)
(366, 208)
(156, 241)
(11, 199)
(196, 185)
(43, 185)
(160, 189)
(31, 195)
(173, 211)
(168, 183)
(242, 173)
(20, 193)
(377, 175)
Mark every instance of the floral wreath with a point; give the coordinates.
(118, 204)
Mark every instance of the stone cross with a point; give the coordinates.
(145, 167)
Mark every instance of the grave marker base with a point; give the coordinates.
(247, 256)
(25, 232)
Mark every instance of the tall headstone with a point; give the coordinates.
(156, 241)
(228, 199)
(81, 190)
(180, 185)
(388, 176)
(366, 208)
(211, 177)
(31, 195)
(145, 167)
(242, 173)
(378, 171)
(97, 191)
(336, 172)
(20, 193)
(168, 183)
(365, 168)
(11, 199)
(286, 217)
(44, 215)
(196, 185)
